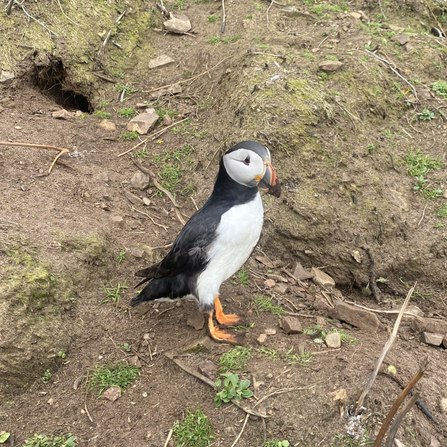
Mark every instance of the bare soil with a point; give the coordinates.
(83, 197)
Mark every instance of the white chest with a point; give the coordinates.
(237, 235)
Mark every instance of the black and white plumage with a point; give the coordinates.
(218, 238)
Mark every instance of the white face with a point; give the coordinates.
(245, 167)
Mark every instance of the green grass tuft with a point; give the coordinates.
(235, 359)
(194, 431)
(67, 440)
(264, 304)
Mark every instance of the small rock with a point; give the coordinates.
(400, 38)
(339, 395)
(356, 15)
(291, 325)
(160, 61)
(177, 24)
(196, 320)
(408, 47)
(146, 201)
(167, 120)
(330, 65)
(301, 273)
(117, 220)
(113, 393)
(175, 89)
(321, 278)
(107, 124)
(396, 28)
(140, 180)
(143, 122)
(355, 316)
(321, 321)
(282, 289)
(132, 198)
(432, 339)
(265, 261)
(6, 77)
(208, 369)
(262, 339)
(444, 342)
(434, 442)
(62, 114)
(270, 331)
(433, 325)
(105, 207)
(398, 443)
(443, 404)
(134, 361)
(270, 283)
(50, 401)
(357, 256)
(333, 340)
(258, 380)
(78, 113)
(137, 252)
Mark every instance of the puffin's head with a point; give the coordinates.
(249, 164)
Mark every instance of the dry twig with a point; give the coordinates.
(168, 438)
(222, 30)
(386, 348)
(42, 146)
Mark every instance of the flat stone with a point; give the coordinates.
(196, 320)
(400, 38)
(282, 289)
(160, 61)
(270, 331)
(321, 278)
(6, 76)
(134, 361)
(424, 93)
(113, 393)
(107, 124)
(291, 325)
(432, 339)
(270, 283)
(396, 28)
(355, 316)
(208, 369)
(434, 442)
(258, 380)
(357, 256)
(262, 339)
(132, 198)
(167, 120)
(146, 201)
(408, 47)
(140, 180)
(443, 404)
(143, 122)
(265, 261)
(333, 340)
(321, 321)
(177, 24)
(62, 114)
(433, 325)
(356, 15)
(301, 273)
(137, 252)
(117, 220)
(330, 65)
(444, 341)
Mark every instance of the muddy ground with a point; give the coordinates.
(339, 143)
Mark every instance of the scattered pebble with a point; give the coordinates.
(6, 77)
(291, 325)
(443, 404)
(140, 180)
(270, 331)
(50, 401)
(433, 325)
(146, 201)
(355, 316)
(282, 289)
(330, 65)
(333, 340)
(400, 38)
(196, 320)
(62, 114)
(113, 393)
(179, 24)
(134, 361)
(321, 278)
(301, 273)
(143, 122)
(107, 124)
(432, 339)
(132, 198)
(357, 256)
(160, 61)
(270, 283)
(208, 369)
(117, 220)
(262, 339)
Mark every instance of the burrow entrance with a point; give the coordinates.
(52, 81)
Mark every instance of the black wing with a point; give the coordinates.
(188, 254)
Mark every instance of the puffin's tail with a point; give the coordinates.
(175, 287)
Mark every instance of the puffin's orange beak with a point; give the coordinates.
(269, 182)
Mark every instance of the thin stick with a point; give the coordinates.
(41, 146)
(395, 71)
(85, 406)
(268, 10)
(372, 276)
(423, 215)
(65, 15)
(242, 429)
(149, 217)
(399, 400)
(9, 7)
(187, 80)
(381, 311)
(33, 18)
(385, 350)
(168, 438)
(222, 30)
(398, 420)
(153, 136)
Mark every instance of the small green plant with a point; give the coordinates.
(4, 436)
(125, 88)
(219, 39)
(179, 4)
(303, 359)
(130, 136)
(235, 359)
(440, 88)
(142, 154)
(242, 277)
(127, 347)
(46, 376)
(265, 304)
(308, 54)
(269, 353)
(426, 115)
(277, 443)
(213, 18)
(259, 7)
(439, 225)
(127, 112)
(119, 374)
(387, 134)
(162, 112)
(67, 440)
(61, 354)
(442, 211)
(113, 294)
(101, 114)
(231, 388)
(331, 58)
(250, 16)
(103, 104)
(371, 148)
(121, 256)
(345, 337)
(194, 431)
(419, 164)
(426, 191)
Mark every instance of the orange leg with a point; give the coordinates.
(227, 320)
(219, 334)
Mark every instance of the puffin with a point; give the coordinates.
(218, 239)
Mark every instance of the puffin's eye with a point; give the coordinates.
(247, 160)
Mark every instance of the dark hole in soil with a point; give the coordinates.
(51, 80)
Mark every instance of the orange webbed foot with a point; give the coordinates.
(221, 335)
(226, 320)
